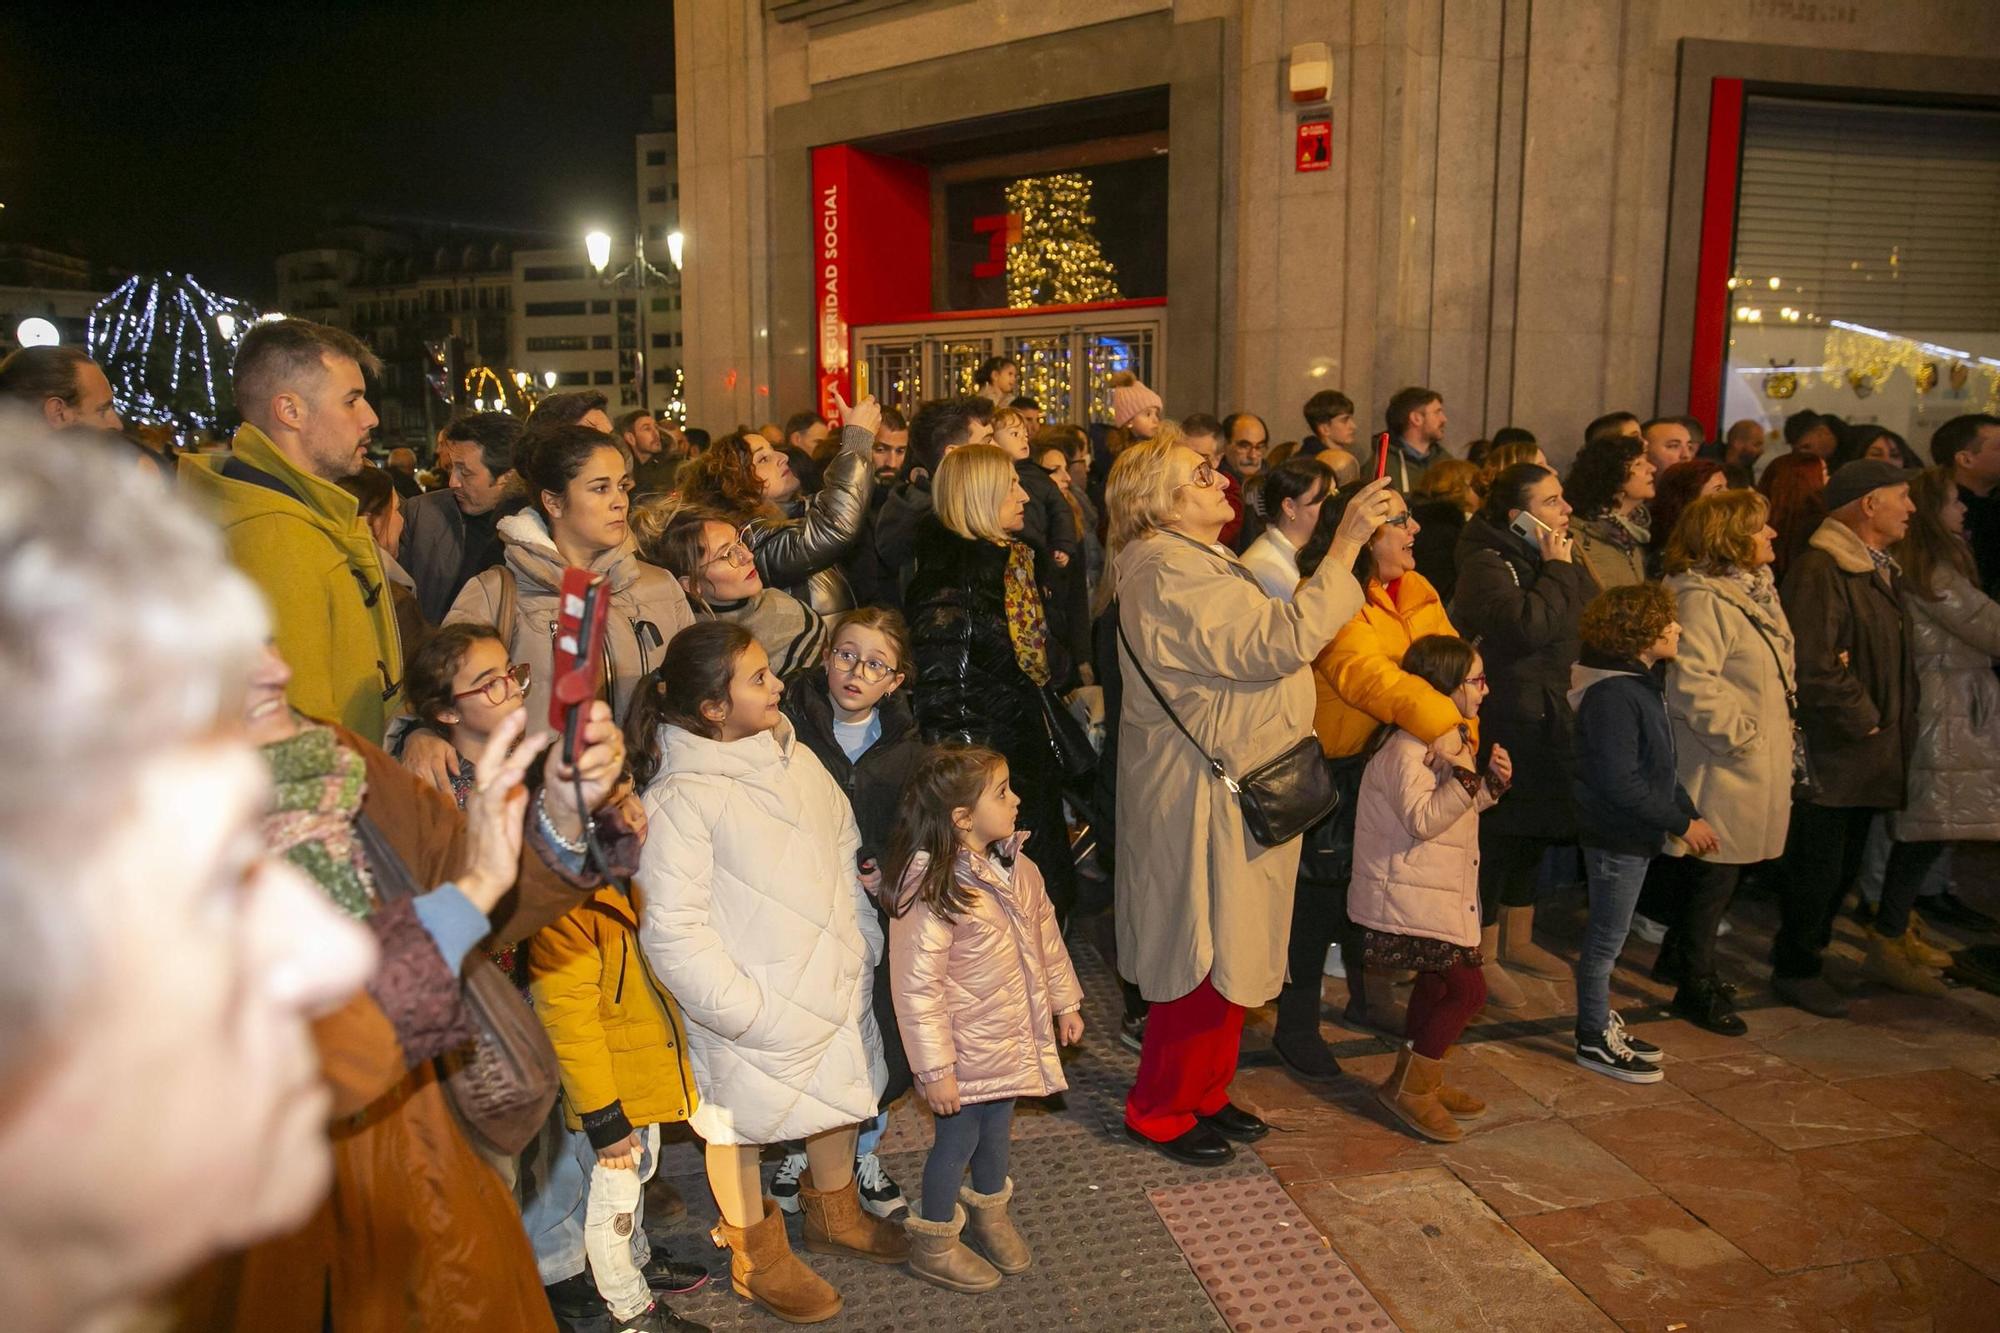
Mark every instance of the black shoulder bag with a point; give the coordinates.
(1802, 775)
(1281, 799)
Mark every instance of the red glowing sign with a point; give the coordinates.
(1315, 144)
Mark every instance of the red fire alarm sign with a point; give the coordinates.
(1315, 146)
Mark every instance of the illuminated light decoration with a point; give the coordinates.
(1858, 355)
(1057, 260)
(162, 346)
(35, 331)
(481, 381)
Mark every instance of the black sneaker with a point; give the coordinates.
(575, 1302)
(879, 1194)
(669, 1276)
(1645, 1050)
(1608, 1054)
(657, 1319)
(785, 1182)
(1132, 1033)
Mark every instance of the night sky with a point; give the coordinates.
(144, 138)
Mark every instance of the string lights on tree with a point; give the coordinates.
(166, 345)
(1057, 260)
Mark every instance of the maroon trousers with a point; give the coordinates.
(1440, 1006)
(1186, 1064)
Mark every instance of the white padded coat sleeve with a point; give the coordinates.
(676, 884)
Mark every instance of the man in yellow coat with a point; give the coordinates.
(295, 531)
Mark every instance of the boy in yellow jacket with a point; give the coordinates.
(623, 1054)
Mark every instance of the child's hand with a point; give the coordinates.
(1700, 838)
(941, 1094)
(1500, 764)
(1449, 747)
(622, 1155)
(1069, 1028)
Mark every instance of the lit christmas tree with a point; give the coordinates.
(1057, 260)
(166, 346)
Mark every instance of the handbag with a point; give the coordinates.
(1803, 786)
(1280, 799)
(1326, 856)
(1076, 757)
(505, 1081)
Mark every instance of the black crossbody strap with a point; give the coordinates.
(1777, 660)
(1214, 764)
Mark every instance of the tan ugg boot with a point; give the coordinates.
(1922, 952)
(763, 1269)
(938, 1255)
(836, 1223)
(993, 1231)
(1519, 951)
(1890, 963)
(1462, 1104)
(1502, 991)
(1411, 1096)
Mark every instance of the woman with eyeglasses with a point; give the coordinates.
(1360, 684)
(1204, 911)
(798, 543)
(718, 570)
(981, 645)
(1520, 595)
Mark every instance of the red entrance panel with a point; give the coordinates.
(1718, 253)
(871, 253)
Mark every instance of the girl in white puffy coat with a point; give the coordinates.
(753, 914)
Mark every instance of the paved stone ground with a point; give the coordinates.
(1813, 1175)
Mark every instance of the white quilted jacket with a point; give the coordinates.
(752, 915)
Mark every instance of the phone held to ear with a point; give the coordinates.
(1530, 527)
(579, 653)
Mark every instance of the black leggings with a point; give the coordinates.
(976, 1136)
(1509, 865)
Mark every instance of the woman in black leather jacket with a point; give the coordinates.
(798, 544)
(982, 646)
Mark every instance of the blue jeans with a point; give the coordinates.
(1615, 880)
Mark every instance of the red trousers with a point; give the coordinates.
(1440, 1006)
(1186, 1063)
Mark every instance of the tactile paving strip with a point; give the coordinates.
(1263, 1263)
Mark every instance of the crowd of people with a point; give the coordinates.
(401, 992)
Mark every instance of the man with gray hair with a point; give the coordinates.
(162, 1090)
(293, 529)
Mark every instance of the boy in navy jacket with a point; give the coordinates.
(1628, 801)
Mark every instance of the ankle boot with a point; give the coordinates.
(763, 1269)
(836, 1223)
(1462, 1104)
(993, 1232)
(1411, 1096)
(938, 1255)
(1889, 962)
(1519, 951)
(1502, 991)
(1297, 1040)
(1703, 1002)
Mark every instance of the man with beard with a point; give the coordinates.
(451, 536)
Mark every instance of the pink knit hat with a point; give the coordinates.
(1129, 400)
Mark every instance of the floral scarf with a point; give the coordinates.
(1761, 588)
(1027, 624)
(319, 786)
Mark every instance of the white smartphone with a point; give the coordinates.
(1530, 527)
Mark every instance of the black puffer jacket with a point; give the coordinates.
(802, 553)
(970, 687)
(1523, 613)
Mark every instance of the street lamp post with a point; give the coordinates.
(638, 276)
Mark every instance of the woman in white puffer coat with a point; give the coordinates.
(754, 916)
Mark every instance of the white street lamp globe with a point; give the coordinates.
(225, 324)
(36, 332)
(598, 246)
(676, 242)
(548, 379)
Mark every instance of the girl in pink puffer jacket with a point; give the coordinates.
(1415, 888)
(984, 990)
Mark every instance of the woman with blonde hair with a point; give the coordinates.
(1729, 695)
(1203, 909)
(980, 642)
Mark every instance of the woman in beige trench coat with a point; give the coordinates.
(1203, 910)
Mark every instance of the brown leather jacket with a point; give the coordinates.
(418, 1233)
(979, 996)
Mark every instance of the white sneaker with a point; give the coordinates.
(785, 1182)
(1335, 967)
(1648, 929)
(879, 1194)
